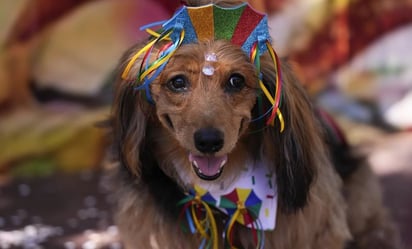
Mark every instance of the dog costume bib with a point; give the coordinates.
(250, 200)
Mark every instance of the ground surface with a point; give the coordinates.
(62, 211)
(73, 210)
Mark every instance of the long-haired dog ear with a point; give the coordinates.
(130, 117)
(297, 151)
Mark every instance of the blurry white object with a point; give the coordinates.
(382, 74)
(400, 113)
(293, 27)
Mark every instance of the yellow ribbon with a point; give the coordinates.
(209, 217)
(148, 46)
(230, 227)
(274, 102)
(155, 34)
(156, 64)
(135, 57)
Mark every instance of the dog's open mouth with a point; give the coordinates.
(208, 167)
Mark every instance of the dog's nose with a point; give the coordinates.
(208, 140)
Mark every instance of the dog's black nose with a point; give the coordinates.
(208, 140)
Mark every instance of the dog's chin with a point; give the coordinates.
(208, 168)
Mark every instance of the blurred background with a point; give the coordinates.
(57, 61)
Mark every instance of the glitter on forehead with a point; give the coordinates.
(209, 69)
(211, 57)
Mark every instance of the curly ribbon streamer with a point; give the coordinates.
(200, 219)
(258, 233)
(276, 99)
(149, 71)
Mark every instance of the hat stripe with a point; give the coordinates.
(247, 23)
(181, 20)
(190, 32)
(226, 21)
(258, 34)
(202, 21)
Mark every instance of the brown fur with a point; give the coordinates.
(152, 142)
(370, 223)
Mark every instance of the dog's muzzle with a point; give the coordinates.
(208, 141)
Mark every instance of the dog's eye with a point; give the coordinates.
(235, 83)
(178, 84)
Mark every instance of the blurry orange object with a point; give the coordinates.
(268, 6)
(349, 30)
(37, 15)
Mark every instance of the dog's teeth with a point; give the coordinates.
(223, 163)
(195, 164)
(197, 167)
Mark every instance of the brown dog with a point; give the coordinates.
(201, 130)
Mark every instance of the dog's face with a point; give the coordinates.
(199, 127)
(206, 104)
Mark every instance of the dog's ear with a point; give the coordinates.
(131, 114)
(298, 150)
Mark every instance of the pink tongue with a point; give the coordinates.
(209, 166)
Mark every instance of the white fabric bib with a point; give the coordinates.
(255, 190)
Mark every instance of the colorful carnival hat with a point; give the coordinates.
(241, 25)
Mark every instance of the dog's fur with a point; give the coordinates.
(152, 143)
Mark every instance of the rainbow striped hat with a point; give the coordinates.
(241, 25)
